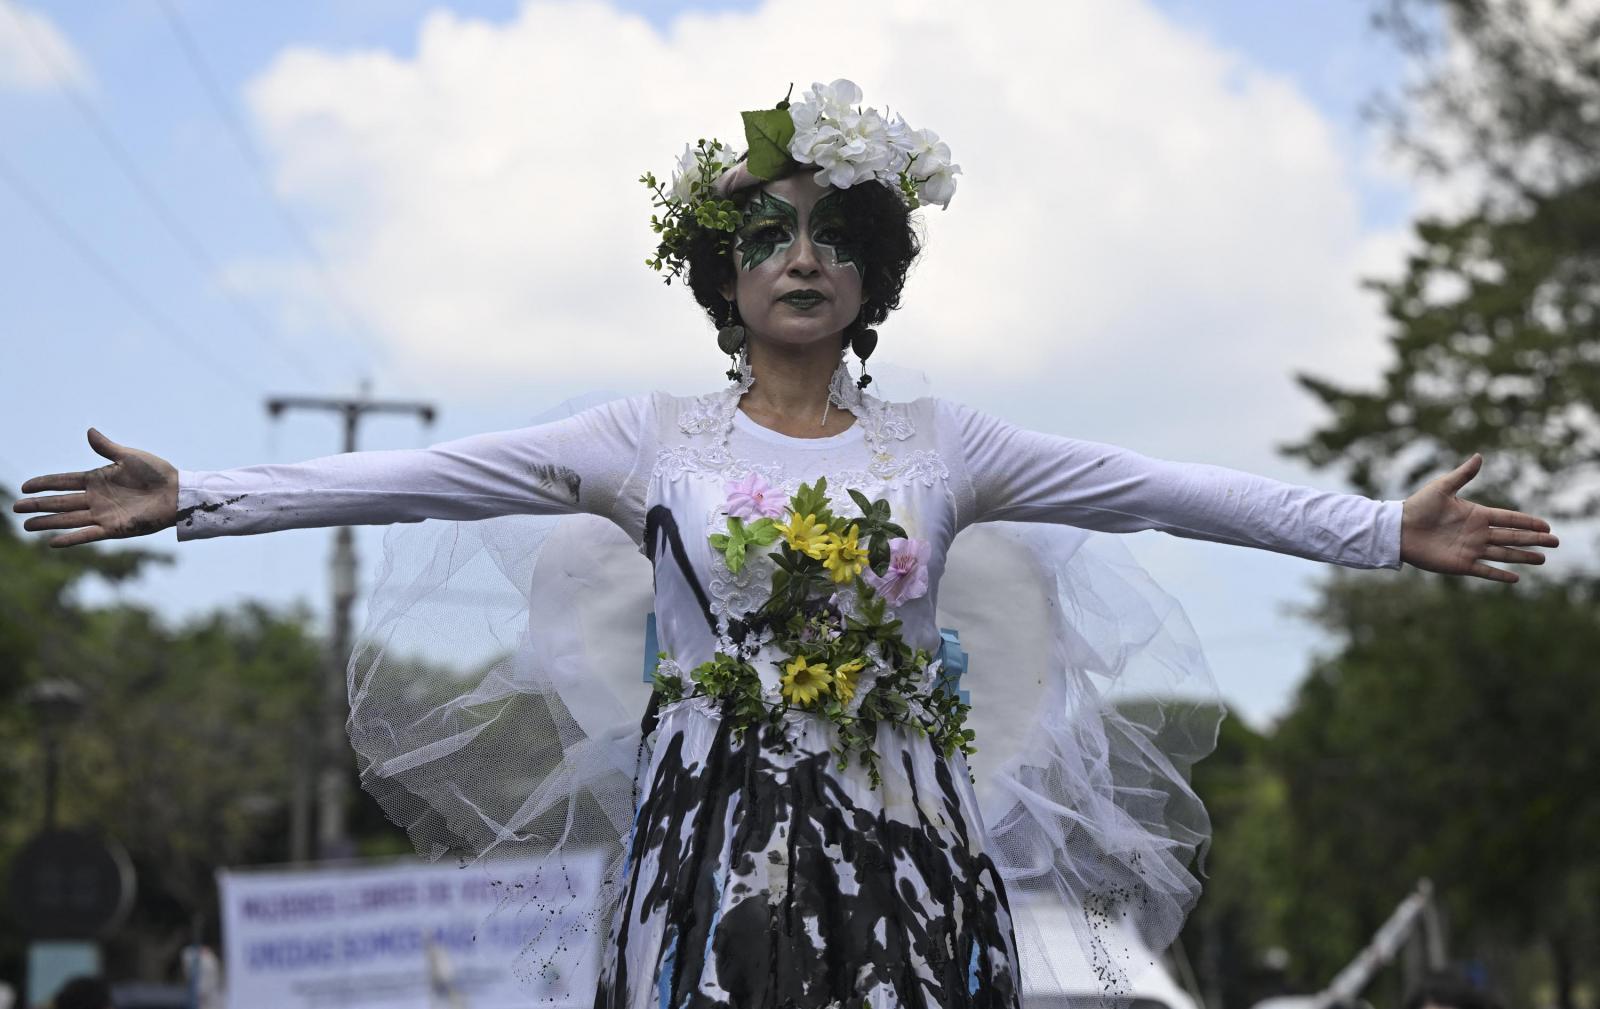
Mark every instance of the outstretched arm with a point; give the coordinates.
(577, 464)
(1021, 475)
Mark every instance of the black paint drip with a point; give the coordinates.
(186, 515)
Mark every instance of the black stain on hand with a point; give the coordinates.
(144, 527)
(550, 475)
(186, 515)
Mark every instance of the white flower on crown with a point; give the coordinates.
(825, 109)
(939, 187)
(931, 167)
(688, 171)
(849, 144)
(927, 153)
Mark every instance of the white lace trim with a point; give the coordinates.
(735, 594)
(713, 412)
(883, 473)
(842, 389)
(882, 422)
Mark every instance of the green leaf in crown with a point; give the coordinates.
(768, 132)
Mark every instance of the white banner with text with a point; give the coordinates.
(396, 936)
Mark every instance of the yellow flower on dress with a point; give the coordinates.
(845, 559)
(803, 682)
(806, 535)
(844, 679)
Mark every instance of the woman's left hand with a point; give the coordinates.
(1440, 532)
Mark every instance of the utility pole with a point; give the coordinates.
(332, 791)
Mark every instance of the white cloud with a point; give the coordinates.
(1145, 222)
(35, 55)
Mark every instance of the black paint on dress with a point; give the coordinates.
(809, 942)
(659, 520)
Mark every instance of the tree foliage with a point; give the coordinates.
(1509, 94)
(1451, 736)
(185, 747)
(1495, 320)
(1242, 909)
(35, 597)
(1509, 365)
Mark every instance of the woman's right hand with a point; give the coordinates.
(134, 496)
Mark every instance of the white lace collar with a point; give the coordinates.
(713, 413)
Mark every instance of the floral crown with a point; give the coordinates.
(826, 128)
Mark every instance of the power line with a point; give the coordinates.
(153, 317)
(185, 239)
(241, 137)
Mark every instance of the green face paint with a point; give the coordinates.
(770, 225)
(828, 232)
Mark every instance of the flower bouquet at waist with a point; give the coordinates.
(827, 627)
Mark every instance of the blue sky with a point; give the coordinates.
(182, 366)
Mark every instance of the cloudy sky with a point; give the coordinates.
(1164, 210)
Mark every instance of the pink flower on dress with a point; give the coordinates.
(907, 577)
(753, 498)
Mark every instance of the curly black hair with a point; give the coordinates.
(876, 221)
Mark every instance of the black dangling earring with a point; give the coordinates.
(863, 341)
(730, 339)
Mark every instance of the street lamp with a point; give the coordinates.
(56, 704)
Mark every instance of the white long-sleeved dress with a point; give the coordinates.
(762, 876)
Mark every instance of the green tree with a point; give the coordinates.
(36, 595)
(1508, 93)
(1447, 736)
(1240, 913)
(39, 616)
(1496, 317)
(188, 750)
(1450, 736)
(185, 749)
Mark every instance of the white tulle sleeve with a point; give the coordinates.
(1013, 474)
(583, 463)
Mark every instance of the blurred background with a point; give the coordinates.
(1344, 244)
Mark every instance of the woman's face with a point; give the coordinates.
(795, 279)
